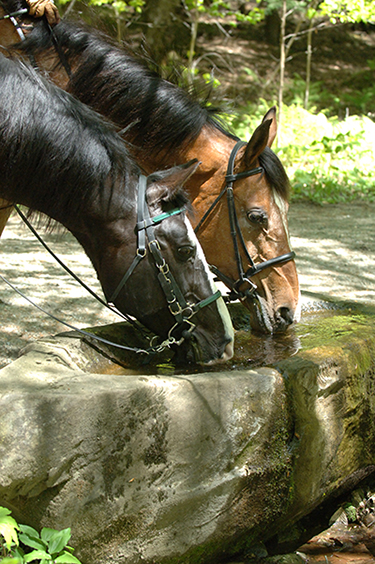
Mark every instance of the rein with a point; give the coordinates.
(12, 17)
(237, 237)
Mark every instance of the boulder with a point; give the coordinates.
(187, 468)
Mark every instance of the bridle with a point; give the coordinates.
(12, 17)
(181, 310)
(244, 277)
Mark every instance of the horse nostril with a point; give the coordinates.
(286, 315)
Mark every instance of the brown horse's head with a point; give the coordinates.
(260, 198)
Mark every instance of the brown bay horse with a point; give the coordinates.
(240, 191)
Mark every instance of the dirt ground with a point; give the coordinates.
(335, 248)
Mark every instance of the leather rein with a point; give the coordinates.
(237, 237)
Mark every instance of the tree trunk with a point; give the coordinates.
(193, 40)
(308, 65)
(282, 70)
(164, 28)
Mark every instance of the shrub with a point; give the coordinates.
(328, 160)
(50, 547)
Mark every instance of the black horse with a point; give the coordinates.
(59, 157)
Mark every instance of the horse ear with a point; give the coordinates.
(271, 114)
(257, 143)
(263, 137)
(166, 184)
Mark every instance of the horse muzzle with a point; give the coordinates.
(264, 321)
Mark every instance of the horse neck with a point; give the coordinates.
(212, 147)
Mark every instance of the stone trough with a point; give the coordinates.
(148, 464)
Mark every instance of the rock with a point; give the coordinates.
(186, 468)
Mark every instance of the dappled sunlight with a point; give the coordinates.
(341, 272)
(25, 263)
(335, 248)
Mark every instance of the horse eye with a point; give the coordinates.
(257, 217)
(185, 252)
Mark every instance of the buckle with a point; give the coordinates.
(188, 312)
(243, 294)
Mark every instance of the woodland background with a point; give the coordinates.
(314, 60)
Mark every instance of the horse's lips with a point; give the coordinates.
(227, 355)
(228, 352)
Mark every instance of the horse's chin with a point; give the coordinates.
(195, 351)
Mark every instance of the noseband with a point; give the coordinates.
(181, 310)
(237, 237)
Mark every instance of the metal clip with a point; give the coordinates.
(190, 312)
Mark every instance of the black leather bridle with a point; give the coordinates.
(237, 237)
(181, 310)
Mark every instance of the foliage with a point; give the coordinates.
(127, 6)
(342, 11)
(350, 512)
(346, 11)
(220, 8)
(50, 547)
(328, 160)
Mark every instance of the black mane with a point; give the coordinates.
(56, 154)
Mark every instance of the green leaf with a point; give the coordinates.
(8, 529)
(57, 540)
(32, 542)
(67, 558)
(46, 534)
(32, 533)
(37, 555)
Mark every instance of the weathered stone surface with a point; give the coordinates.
(185, 468)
